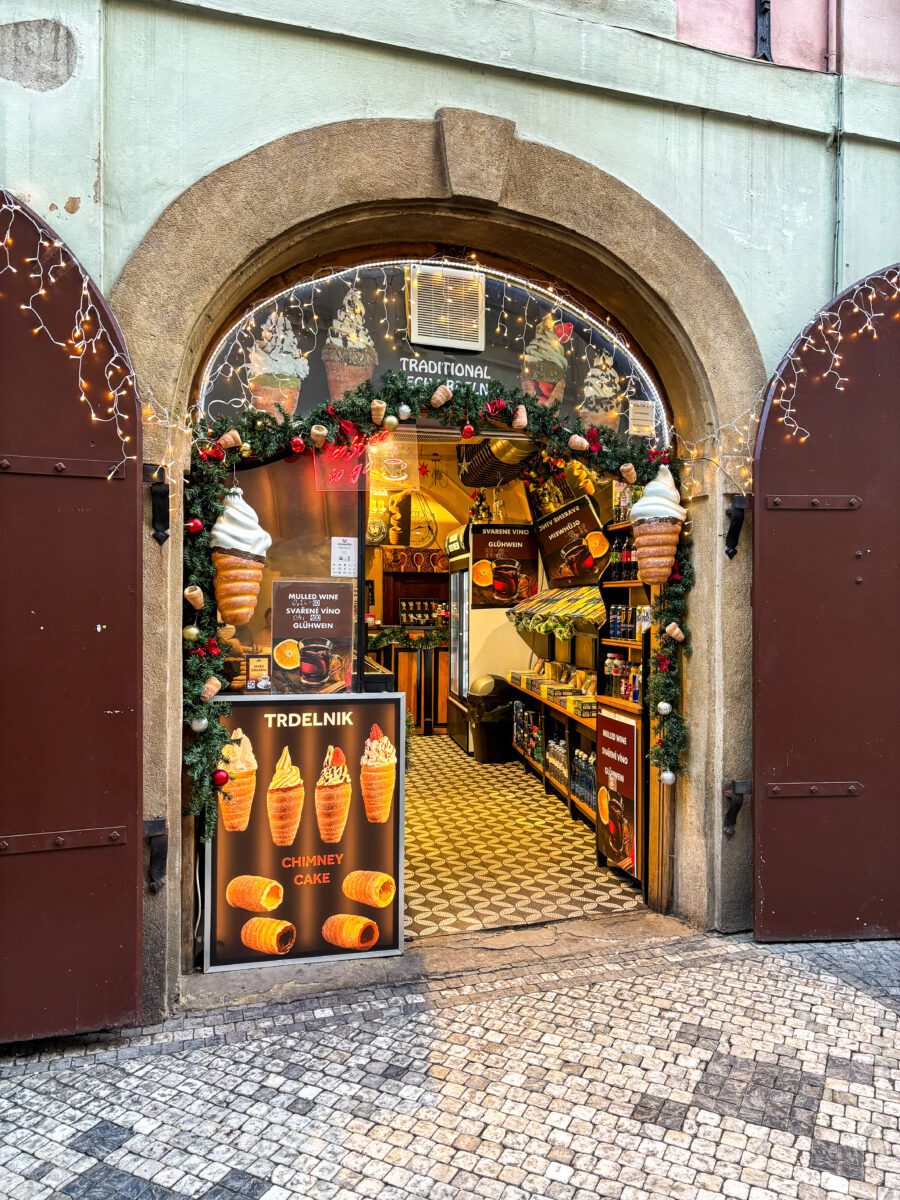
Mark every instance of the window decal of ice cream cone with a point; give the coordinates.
(238, 543)
(378, 775)
(254, 893)
(236, 797)
(284, 801)
(268, 936)
(605, 394)
(657, 519)
(276, 368)
(544, 368)
(375, 888)
(333, 792)
(350, 932)
(349, 355)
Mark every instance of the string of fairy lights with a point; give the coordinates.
(729, 448)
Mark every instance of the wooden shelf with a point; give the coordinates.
(537, 766)
(585, 722)
(613, 526)
(584, 810)
(622, 642)
(623, 583)
(623, 705)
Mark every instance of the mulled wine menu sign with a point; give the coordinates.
(572, 544)
(504, 565)
(307, 857)
(618, 814)
(312, 636)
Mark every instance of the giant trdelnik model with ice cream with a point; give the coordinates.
(239, 544)
(657, 520)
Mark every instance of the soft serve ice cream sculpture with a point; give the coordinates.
(349, 355)
(656, 520)
(276, 368)
(239, 544)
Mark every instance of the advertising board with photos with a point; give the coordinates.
(504, 564)
(620, 815)
(573, 544)
(307, 858)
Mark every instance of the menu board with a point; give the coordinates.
(504, 565)
(572, 543)
(618, 811)
(312, 636)
(307, 857)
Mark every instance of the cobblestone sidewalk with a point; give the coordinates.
(687, 1068)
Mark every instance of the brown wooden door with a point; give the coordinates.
(826, 803)
(70, 615)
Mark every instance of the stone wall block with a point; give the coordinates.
(476, 149)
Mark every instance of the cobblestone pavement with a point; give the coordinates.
(685, 1066)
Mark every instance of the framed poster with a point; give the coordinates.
(619, 812)
(312, 636)
(504, 564)
(573, 545)
(307, 858)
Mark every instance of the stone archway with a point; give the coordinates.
(467, 179)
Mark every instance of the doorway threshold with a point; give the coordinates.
(438, 958)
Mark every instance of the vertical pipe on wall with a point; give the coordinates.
(834, 65)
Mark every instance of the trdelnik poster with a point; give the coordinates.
(504, 564)
(312, 636)
(307, 858)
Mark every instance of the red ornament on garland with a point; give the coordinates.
(297, 445)
(194, 525)
(467, 431)
(220, 778)
(330, 410)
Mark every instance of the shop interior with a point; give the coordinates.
(510, 656)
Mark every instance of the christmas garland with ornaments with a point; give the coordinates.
(255, 435)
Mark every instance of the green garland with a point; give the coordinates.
(396, 635)
(264, 438)
(664, 684)
(561, 627)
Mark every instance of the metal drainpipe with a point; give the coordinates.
(834, 65)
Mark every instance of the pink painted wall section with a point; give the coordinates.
(871, 33)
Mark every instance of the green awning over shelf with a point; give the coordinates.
(560, 606)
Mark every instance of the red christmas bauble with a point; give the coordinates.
(467, 431)
(297, 445)
(194, 525)
(220, 778)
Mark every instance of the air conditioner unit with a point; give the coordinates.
(446, 307)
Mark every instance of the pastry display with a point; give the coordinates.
(350, 932)
(604, 396)
(254, 893)
(239, 544)
(236, 797)
(657, 519)
(333, 796)
(349, 354)
(284, 801)
(268, 936)
(544, 368)
(378, 776)
(276, 368)
(370, 887)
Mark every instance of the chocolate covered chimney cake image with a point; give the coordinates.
(349, 355)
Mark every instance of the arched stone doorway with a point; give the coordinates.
(466, 179)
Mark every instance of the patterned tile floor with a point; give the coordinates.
(486, 848)
(686, 1067)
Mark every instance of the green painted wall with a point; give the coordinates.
(736, 152)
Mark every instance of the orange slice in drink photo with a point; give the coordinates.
(603, 805)
(597, 543)
(287, 654)
(483, 573)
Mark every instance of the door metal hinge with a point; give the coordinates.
(814, 503)
(735, 793)
(789, 791)
(63, 839)
(156, 834)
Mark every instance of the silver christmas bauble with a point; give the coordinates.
(664, 708)
(199, 724)
(404, 412)
(667, 777)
